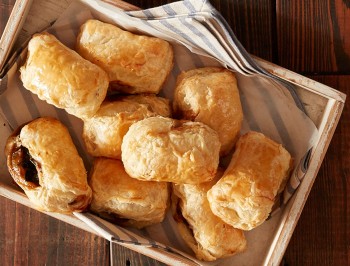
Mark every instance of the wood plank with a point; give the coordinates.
(322, 236)
(124, 256)
(313, 36)
(29, 237)
(252, 22)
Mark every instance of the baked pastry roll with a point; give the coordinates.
(210, 95)
(103, 133)
(134, 63)
(164, 149)
(60, 76)
(258, 171)
(123, 199)
(44, 162)
(206, 234)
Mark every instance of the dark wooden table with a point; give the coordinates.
(309, 37)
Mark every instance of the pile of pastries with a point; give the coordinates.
(149, 152)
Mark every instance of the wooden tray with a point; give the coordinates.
(323, 105)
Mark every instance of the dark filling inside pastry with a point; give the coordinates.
(30, 166)
(26, 164)
(22, 166)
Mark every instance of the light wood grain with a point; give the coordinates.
(12, 30)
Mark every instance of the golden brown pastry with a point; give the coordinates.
(164, 149)
(258, 171)
(103, 133)
(210, 95)
(128, 201)
(134, 63)
(206, 234)
(60, 76)
(44, 162)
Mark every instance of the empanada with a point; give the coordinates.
(103, 133)
(134, 63)
(210, 95)
(206, 234)
(124, 199)
(44, 162)
(60, 76)
(258, 171)
(165, 149)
